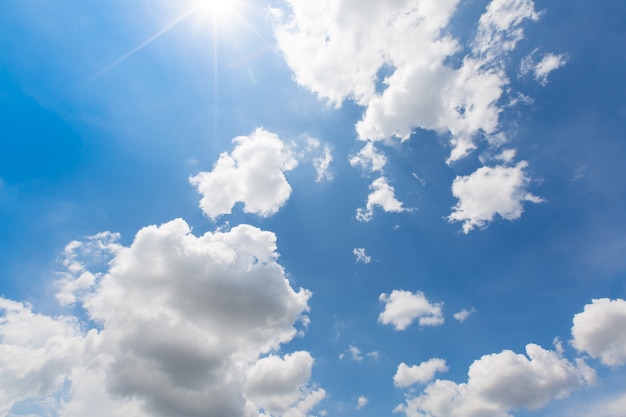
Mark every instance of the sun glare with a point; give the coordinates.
(220, 9)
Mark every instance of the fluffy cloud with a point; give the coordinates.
(490, 191)
(36, 351)
(408, 375)
(361, 256)
(600, 331)
(252, 174)
(181, 324)
(499, 383)
(407, 40)
(402, 308)
(321, 161)
(279, 385)
(382, 195)
(540, 70)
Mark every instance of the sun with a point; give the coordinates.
(219, 9)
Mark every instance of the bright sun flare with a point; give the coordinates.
(219, 8)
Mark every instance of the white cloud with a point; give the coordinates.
(463, 314)
(355, 352)
(321, 160)
(361, 402)
(361, 256)
(500, 383)
(490, 191)
(382, 195)
(36, 351)
(409, 40)
(181, 324)
(544, 67)
(408, 375)
(369, 158)
(322, 165)
(252, 174)
(600, 331)
(402, 308)
(278, 385)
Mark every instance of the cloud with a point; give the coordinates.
(382, 195)
(402, 308)
(463, 314)
(408, 41)
(322, 161)
(178, 325)
(490, 191)
(361, 402)
(278, 385)
(254, 174)
(543, 68)
(599, 330)
(36, 351)
(408, 375)
(499, 383)
(369, 158)
(361, 256)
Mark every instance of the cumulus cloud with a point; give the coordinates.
(180, 325)
(409, 41)
(463, 314)
(361, 256)
(600, 331)
(500, 383)
(491, 191)
(424, 372)
(382, 195)
(542, 68)
(253, 174)
(402, 308)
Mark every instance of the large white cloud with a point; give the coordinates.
(500, 383)
(402, 308)
(600, 330)
(491, 191)
(184, 323)
(409, 41)
(253, 173)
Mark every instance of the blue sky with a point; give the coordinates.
(288, 208)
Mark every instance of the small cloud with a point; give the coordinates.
(382, 195)
(402, 308)
(355, 352)
(361, 402)
(541, 69)
(373, 355)
(408, 375)
(464, 314)
(369, 159)
(491, 191)
(361, 256)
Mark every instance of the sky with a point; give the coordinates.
(290, 208)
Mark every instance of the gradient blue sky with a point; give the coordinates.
(113, 116)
